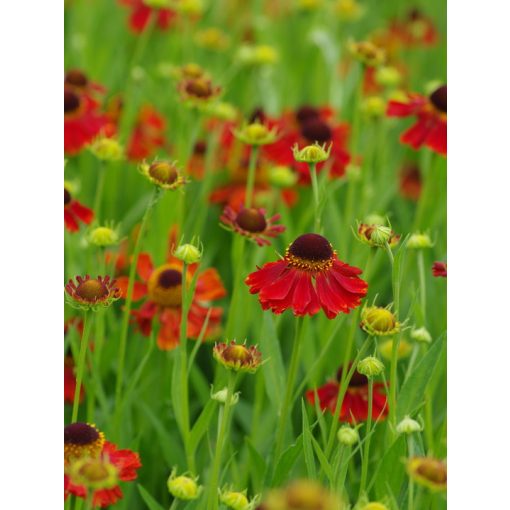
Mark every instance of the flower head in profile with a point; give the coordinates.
(309, 277)
(379, 321)
(430, 129)
(252, 223)
(355, 403)
(164, 174)
(88, 293)
(255, 134)
(315, 153)
(238, 357)
(91, 463)
(198, 91)
(74, 212)
(367, 53)
(428, 472)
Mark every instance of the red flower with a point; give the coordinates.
(141, 13)
(430, 126)
(75, 212)
(70, 381)
(126, 461)
(148, 134)
(162, 288)
(252, 223)
(82, 119)
(410, 182)
(439, 269)
(355, 404)
(415, 30)
(308, 278)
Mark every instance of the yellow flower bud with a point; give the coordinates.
(103, 236)
(234, 500)
(183, 487)
(255, 134)
(370, 366)
(282, 176)
(311, 153)
(378, 321)
(107, 149)
(367, 53)
(374, 505)
(386, 349)
(388, 76)
(189, 253)
(419, 241)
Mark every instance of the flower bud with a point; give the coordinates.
(421, 335)
(418, 241)
(164, 174)
(255, 134)
(282, 176)
(189, 253)
(386, 349)
(347, 436)
(408, 426)
(378, 321)
(370, 366)
(107, 149)
(353, 172)
(373, 107)
(238, 357)
(221, 397)
(103, 236)
(377, 235)
(212, 39)
(183, 487)
(311, 153)
(234, 500)
(388, 76)
(221, 111)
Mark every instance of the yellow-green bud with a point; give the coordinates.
(103, 236)
(421, 335)
(282, 176)
(311, 153)
(418, 241)
(221, 110)
(388, 76)
(373, 106)
(408, 426)
(378, 321)
(234, 500)
(386, 349)
(188, 253)
(107, 149)
(370, 366)
(183, 487)
(255, 134)
(221, 397)
(190, 7)
(347, 436)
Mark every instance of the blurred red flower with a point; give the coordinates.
(141, 14)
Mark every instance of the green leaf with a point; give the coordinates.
(307, 444)
(151, 503)
(257, 465)
(413, 389)
(287, 461)
(325, 465)
(273, 371)
(202, 424)
(390, 472)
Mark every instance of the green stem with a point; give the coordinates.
(315, 188)
(366, 448)
(127, 310)
(99, 191)
(250, 182)
(410, 494)
(423, 288)
(220, 442)
(286, 409)
(174, 504)
(237, 271)
(81, 364)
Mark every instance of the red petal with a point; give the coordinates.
(144, 266)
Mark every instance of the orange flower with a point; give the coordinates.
(162, 288)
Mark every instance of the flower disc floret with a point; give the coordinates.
(82, 440)
(90, 293)
(238, 357)
(310, 252)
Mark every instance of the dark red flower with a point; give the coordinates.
(74, 212)
(141, 13)
(416, 29)
(355, 403)
(76, 439)
(430, 127)
(252, 223)
(308, 278)
(439, 269)
(148, 134)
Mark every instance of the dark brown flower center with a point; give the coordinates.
(76, 78)
(438, 98)
(306, 114)
(258, 115)
(163, 172)
(311, 247)
(200, 148)
(316, 130)
(199, 88)
(91, 289)
(67, 197)
(414, 14)
(251, 220)
(71, 101)
(169, 278)
(357, 379)
(80, 434)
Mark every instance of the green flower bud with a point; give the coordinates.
(408, 426)
(388, 76)
(282, 176)
(418, 241)
(183, 487)
(107, 149)
(103, 236)
(373, 106)
(235, 500)
(347, 436)
(421, 335)
(255, 134)
(370, 366)
(188, 253)
(221, 397)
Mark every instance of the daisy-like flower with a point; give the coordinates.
(355, 403)
(428, 471)
(82, 119)
(238, 357)
(163, 174)
(70, 381)
(429, 130)
(74, 212)
(84, 441)
(309, 277)
(162, 289)
(378, 321)
(198, 90)
(142, 10)
(148, 134)
(416, 29)
(439, 269)
(88, 293)
(252, 223)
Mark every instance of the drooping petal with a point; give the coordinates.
(144, 266)
(265, 275)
